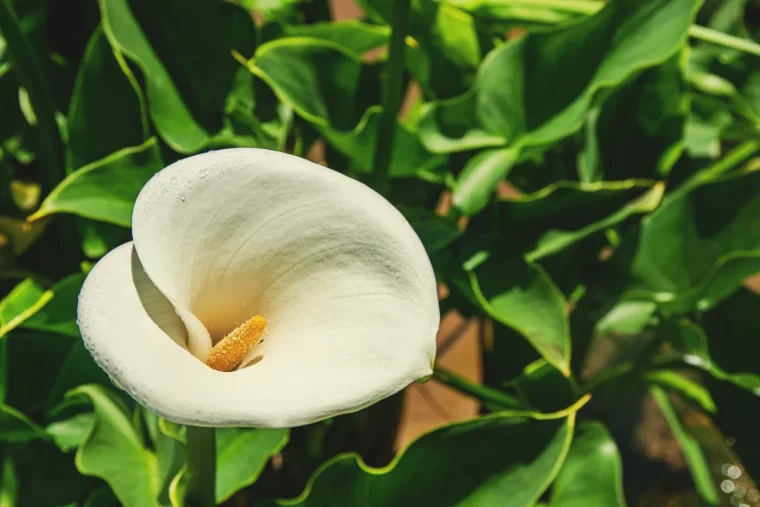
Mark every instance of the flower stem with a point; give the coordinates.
(492, 398)
(201, 466)
(392, 99)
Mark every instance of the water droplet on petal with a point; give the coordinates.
(182, 197)
(203, 172)
(174, 180)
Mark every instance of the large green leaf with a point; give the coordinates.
(599, 52)
(72, 432)
(106, 190)
(592, 475)
(522, 296)
(106, 112)
(505, 459)
(718, 245)
(187, 77)
(114, 452)
(241, 455)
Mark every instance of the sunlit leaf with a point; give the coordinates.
(70, 433)
(106, 189)
(113, 451)
(21, 303)
(621, 39)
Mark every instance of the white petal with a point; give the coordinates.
(344, 282)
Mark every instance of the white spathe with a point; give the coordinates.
(341, 277)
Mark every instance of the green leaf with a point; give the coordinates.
(718, 245)
(325, 83)
(113, 451)
(241, 455)
(592, 475)
(21, 303)
(544, 388)
(107, 110)
(445, 47)
(507, 459)
(599, 52)
(477, 181)
(408, 158)
(689, 344)
(70, 433)
(693, 454)
(106, 190)
(356, 36)
(187, 78)
(16, 427)
(58, 315)
(77, 368)
(685, 387)
(312, 76)
(435, 232)
(521, 295)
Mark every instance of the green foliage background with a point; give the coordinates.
(602, 165)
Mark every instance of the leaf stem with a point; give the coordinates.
(723, 39)
(201, 466)
(491, 397)
(393, 95)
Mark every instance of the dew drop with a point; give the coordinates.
(174, 180)
(189, 184)
(203, 173)
(182, 197)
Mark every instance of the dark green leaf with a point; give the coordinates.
(107, 111)
(503, 459)
(718, 245)
(241, 455)
(16, 427)
(592, 475)
(187, 77)
(435, 232)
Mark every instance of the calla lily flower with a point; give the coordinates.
(310, 288)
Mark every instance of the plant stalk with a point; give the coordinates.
(201, 466)
(493, 399)
(392, 98)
